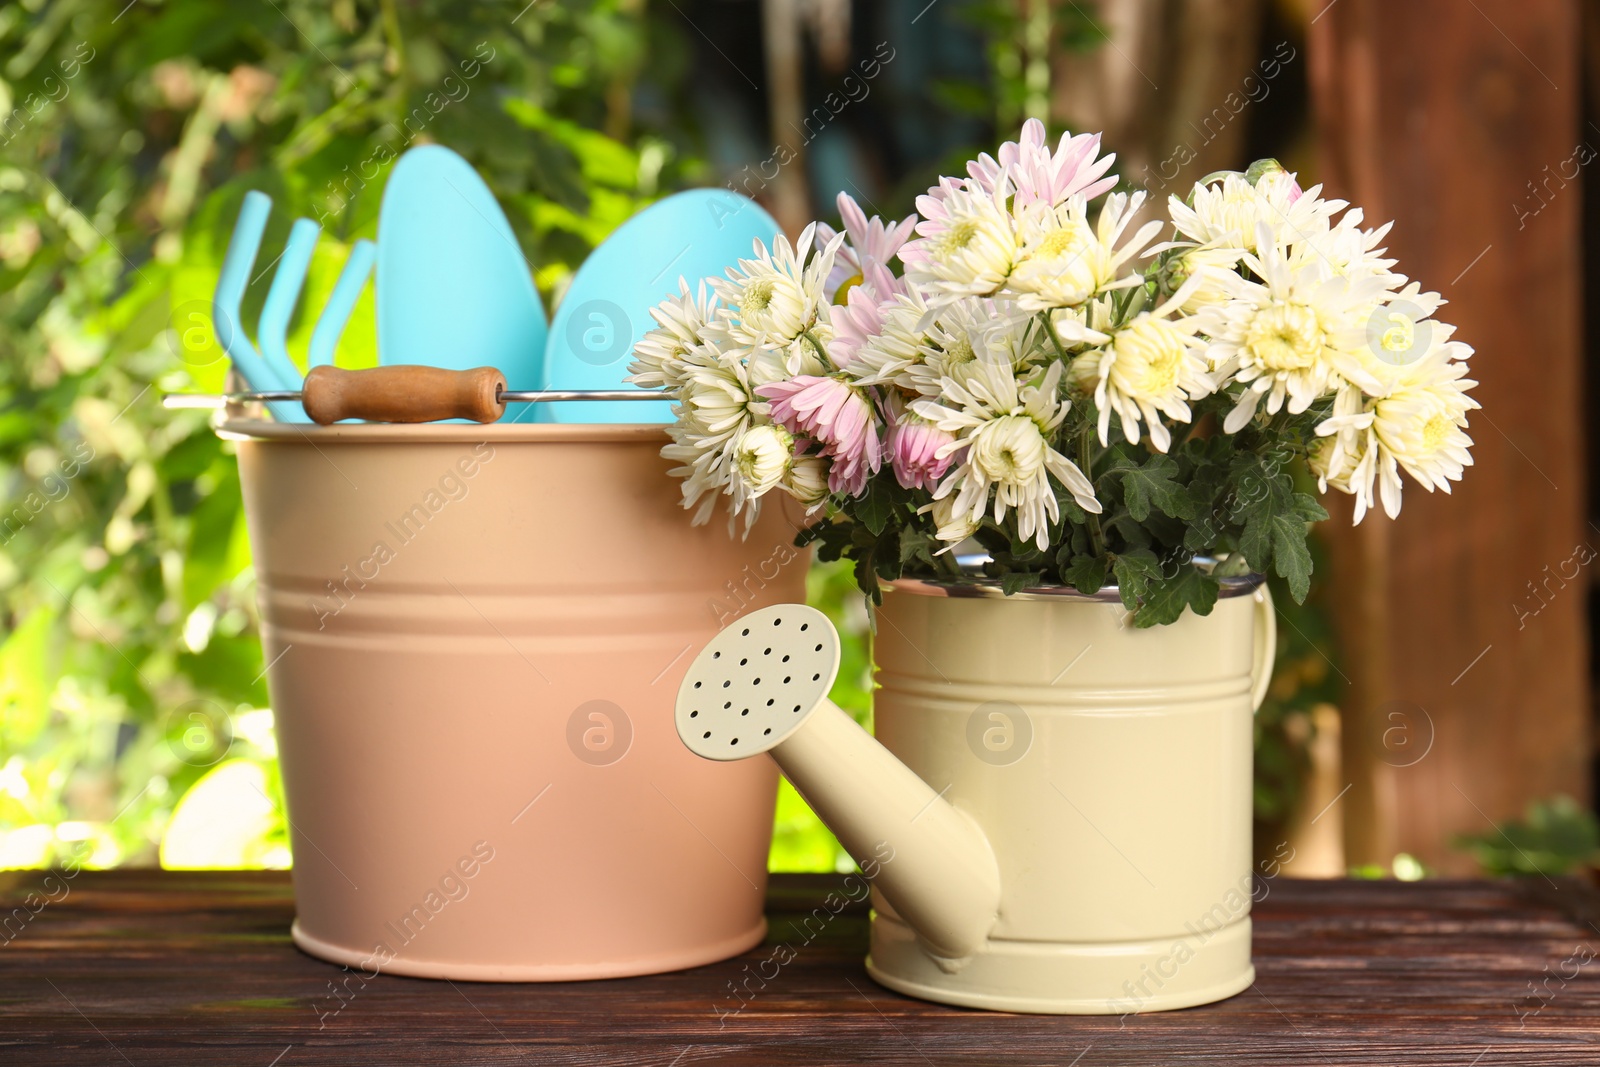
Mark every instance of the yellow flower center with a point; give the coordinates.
(1286, 337)
(959, 351)
(1436, 431)
(1009, 450)
(841, 296)
(1150, 353)
(957, 237)
(1058, 243)
(1400, 335)
(757, 296)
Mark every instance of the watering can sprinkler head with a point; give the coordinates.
(761, 685)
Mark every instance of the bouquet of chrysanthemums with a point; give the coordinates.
(1081, 404)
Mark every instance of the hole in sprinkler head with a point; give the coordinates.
(694, 715)
(743, 662)
(766, 651)
(786, 659)
(727, 683)
(768, 730)
(805, 626)
(769, 702)
(716, 655)
(797, 707)
(816, 677)
(775, 622)
(727, 703)
(756, 682)
(819, 648)
(697, 685)
(735, 741)
(786, 679)
(745, 632)
(706, 734)
(746, 711)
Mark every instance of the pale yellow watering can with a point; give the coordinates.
(1056, 813)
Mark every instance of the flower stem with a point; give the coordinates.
(946, 562)
(1097, 538)
(1055, 338)
(822, 353)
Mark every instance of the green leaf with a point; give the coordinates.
(917, 545)
(1166, 599)
(1086, 574)
(1135, 570)
(1013, 582)
(874, 509)
(28, 673)
(1276, 522)
(1154, 484)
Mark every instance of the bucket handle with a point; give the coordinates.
(408, 393)
(1266, 645)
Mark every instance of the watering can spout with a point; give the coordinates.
(761, 685)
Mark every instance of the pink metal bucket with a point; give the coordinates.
(476, 635)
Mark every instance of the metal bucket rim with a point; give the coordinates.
(245, 429)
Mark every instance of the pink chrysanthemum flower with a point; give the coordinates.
(1025, 167)
(917, 451)
(861, 317)
(869, 241)
(1039, 175)
(838, 417)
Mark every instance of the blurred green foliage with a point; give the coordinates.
(1554, 837)
(130, 133)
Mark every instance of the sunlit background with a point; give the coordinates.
(135, 725)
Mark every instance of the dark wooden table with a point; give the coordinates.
(146, 967)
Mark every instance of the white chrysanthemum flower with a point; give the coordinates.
(900, 343)
(970, 332)
(1289, 337)
(714, 411)
(1065, 261)
(661, 355)
(1004, 428)
(773, 363)
(1348, 249)
(762, 456)
(1230, 213)
(1344, 461)
(1339, 457)
(1423, 423)
(951, 525)
(966, 244)
(1398, 333)
(776, 297)
(1418, 427)
(1207, 263)
(715, 397)
(1151, 367)
(807, 481)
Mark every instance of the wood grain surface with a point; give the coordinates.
(149, 967)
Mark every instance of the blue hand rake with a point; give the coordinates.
(270, 368)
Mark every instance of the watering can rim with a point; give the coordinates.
(990, 589)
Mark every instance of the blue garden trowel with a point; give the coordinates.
(606, 310)
(454, 290)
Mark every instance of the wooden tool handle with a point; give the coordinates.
(403, 394)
